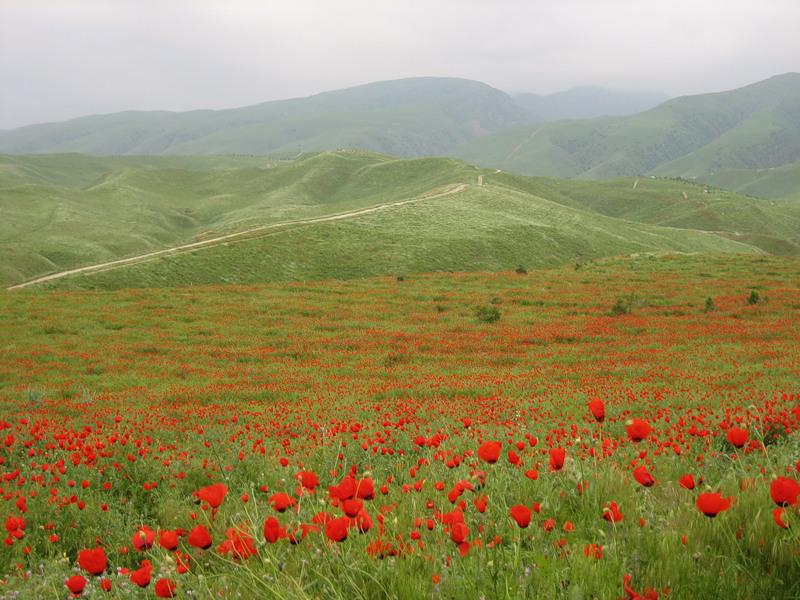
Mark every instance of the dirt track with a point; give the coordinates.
(113, 264)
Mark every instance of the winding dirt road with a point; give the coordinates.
(113, 264)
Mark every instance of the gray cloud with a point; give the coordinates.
(64, 58)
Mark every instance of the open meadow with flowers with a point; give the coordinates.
(625, 428)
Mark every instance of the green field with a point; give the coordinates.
(68, 211)
(119, 407)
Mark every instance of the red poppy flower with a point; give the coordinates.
(784, 491)
(737, 437)
(365, 489)
(521, 514)
(76, 584)
(459, 532)
(490, 451)
(142, 575)
(273, 530)
(168, 540)
(598, 409)
(711, 504)
(336, 529)
(638, 429)
(557, 456)
(165, 588)
(611, 513)
(593, 551)
(239, 543)
(200, 538)
(642, 475)
(308, 480)
(687, 481)
(93, 561)
(281, 501)
(352, 507)
(213, 495)
(144, 538)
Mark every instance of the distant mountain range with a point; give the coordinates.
(405, 117)
(586, 103)
(748, 138)
(754, 127)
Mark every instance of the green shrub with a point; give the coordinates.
(622, 306)
(753, 298)
(487, 314)
(711, 306)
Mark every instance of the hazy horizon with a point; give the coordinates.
(60, 59)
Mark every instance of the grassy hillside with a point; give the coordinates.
(774, 182)
(773, 227)
(60, 212)
(754, 127)
(482, 228)
(69, 211)
(407, 117)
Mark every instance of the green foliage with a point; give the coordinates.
(710, 305)
(754, 297)
(487, 314)
(622, 306)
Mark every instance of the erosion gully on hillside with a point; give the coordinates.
(623, 428)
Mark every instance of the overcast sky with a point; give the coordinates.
(65, 58)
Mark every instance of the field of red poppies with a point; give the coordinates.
(620, 429)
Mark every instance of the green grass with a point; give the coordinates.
(482, 228)
(184, 387)
(67, 211)
(780, 183)
(754, 127)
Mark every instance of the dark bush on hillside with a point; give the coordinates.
(520, 270)
(623, 306)
(754, 297)
(487, 314)
(711, 306)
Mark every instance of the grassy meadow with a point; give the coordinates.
(424, 436)
(67, 211)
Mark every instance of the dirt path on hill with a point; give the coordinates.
(113, 264)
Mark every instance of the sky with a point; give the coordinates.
(65, 58)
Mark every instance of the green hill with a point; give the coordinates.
(60, 212)
(346, 214)
(753, 127)
(406, 117)
(771, 226)
(481, 228)
(773, 182)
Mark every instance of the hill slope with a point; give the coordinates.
(774, 182)
(481, 228)
(346, 214)
(60, 212)
(406, 117)
(753, 127)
